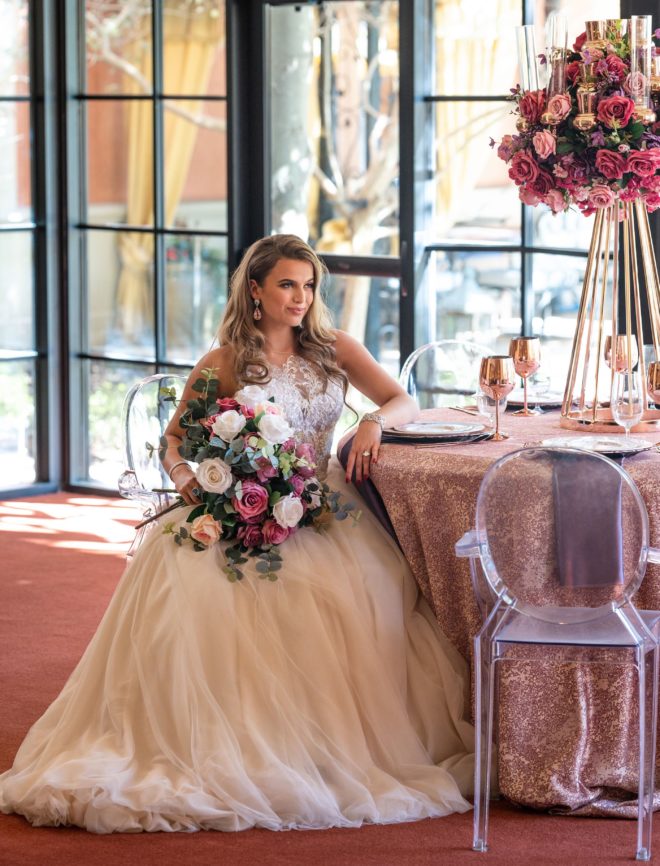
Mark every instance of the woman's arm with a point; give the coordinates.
(176, 467)
(396, 407)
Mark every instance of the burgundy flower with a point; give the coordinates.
(617, 69)
(523, 167)
(573, 70)
(532, 104)
(615, 111)
(641, 163)
(542, 183)
(251, 535)
(610, 164)
(226, 403)
(579, 42)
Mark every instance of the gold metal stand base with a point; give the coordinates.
(604, 423)
(527, 413)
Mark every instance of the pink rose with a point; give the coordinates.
(226, 404)
(507, 147)
(528, 196)
(559, 107)
(652, 201)
(615, 111)
(523, 167)
(555, 201)
(641, 163)
(601, 196)
(610, 164)
(273, 533)
(616, 67)
(247, 411)
(250, 535)
(635, 84)
(265, 469)
(253, 502)
(205, 529)
(545, 144)
(542, 183)
(298, 484)
(531, 105)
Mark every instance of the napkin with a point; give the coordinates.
(588, 522)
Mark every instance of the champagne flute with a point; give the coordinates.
(627, 400)
(615, 352)
(526, 354)
(497, 378)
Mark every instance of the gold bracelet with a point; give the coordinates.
(176, 466)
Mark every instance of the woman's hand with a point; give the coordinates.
(364, 450)
(187, 485)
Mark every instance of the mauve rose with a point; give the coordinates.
(600, 196)
(528, 196)
(506, 148)
(532, 104)
(545, 144)
(306, 452)
(205, 530)
(273, 533)
(615, 111)
(634, 84)
(641, 163)
(227, 403)
(523, 167)
(253, 502)
(559, 107)
(542, 183)
(265, 469)
(555, 201)
(610, 164)
(250, 535)
(579, 42)
(298, 484)
(616, 67)
(573, 70)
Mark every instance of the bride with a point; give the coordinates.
(326, 698)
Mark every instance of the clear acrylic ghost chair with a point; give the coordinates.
(562, 538)
(443, 373)
(147, 410)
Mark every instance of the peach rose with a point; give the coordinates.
(545, 144)
(205, 530)
(601, 196)
(559, 107)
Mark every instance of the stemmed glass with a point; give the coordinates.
(497, 378)
(526, 354)
(627, 400)
(615, 352)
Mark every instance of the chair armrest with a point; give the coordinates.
(468, 545)
(653, 554)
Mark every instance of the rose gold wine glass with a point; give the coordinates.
(615, 353)
(526, 354)
(653, 380)
(497, 378)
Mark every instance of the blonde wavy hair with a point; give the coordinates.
(238, 329)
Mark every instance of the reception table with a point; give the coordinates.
(567, 731)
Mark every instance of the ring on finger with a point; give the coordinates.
(196, 492)
(366, 453)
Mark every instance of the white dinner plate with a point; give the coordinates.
(437, 429)
(549, 400)
(609, 445)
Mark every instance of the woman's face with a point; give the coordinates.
(286, 293)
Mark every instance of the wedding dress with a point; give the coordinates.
(326, 698)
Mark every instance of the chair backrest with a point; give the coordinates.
(561, 528)
(145, 416)
(443, 373)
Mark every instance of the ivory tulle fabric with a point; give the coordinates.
(327, 698)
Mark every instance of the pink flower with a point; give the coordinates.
(542, 183)
(616, 67)
(226, 404)
(298, 484)
(523, 167)
(615, 111)
(601, 196)
(253, 502)
(532, 104)
(306, 452)
(610, 164)
(652, 201)
(205, 529)
(545, 144)
(251, 535)
(273, 533)
(246, 411)
(506, 147)
(635, 84)
(555, 201)
(528, 196)
(559, 107)
(641, 163)
(265, 469)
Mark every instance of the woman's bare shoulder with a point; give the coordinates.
(221, 362)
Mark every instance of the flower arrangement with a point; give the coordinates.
(257, 484)
(593, 141)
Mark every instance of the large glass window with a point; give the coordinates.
(149, 227)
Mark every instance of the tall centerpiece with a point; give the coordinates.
(589, 140)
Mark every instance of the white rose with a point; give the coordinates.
(228, 425)
(275, 429)
(214, 475)
(250, 396)
(288, 511)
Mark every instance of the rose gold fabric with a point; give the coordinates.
(567, 731)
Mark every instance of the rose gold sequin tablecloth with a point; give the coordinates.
(567, 731)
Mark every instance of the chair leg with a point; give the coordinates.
(647, 744)
(485, 681)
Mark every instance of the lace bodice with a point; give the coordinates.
(313, 413)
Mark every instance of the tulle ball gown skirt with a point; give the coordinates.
(326, 698)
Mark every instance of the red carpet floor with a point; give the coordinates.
(61, 557)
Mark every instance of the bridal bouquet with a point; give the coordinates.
(593, 141)
(257, 484)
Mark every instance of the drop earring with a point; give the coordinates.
(257, 312)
